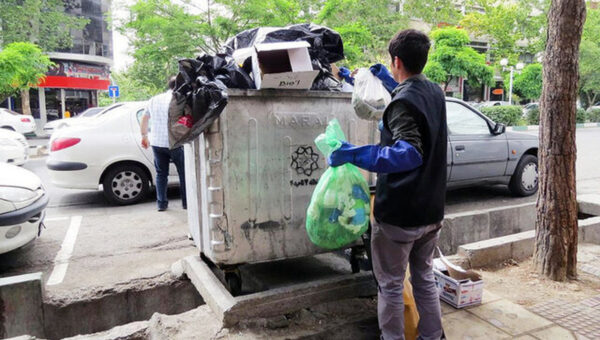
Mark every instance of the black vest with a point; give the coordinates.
(416, 198)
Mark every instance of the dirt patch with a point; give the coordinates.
(520, 283)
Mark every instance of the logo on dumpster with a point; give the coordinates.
(305, 160)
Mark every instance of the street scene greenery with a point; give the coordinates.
(27, 29)
(508, 115)
(22, 65)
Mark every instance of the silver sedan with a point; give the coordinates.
(481, 151)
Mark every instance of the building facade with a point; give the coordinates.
(80, 71)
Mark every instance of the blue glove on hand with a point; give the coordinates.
(385, 76)
(399, 157)
(345, 73)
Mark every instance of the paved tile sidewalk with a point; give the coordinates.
(498, 318)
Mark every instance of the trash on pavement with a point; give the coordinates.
(370, 97)
(338, 213)
(458, 287)
(283, 65)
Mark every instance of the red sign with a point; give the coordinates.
(497, 91)
(75, 83)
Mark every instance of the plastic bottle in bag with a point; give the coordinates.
(339, 210)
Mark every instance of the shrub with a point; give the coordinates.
(533, 116)
(508, 115)
(594, 115)
(581, 116)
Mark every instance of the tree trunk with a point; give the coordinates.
(555, 254)
(447, 83)
(25, 102)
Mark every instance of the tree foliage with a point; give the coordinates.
(513, 27)
(161, 31)
(528, 83)
(22, 65)
(589, 62)
(452, 58)
(42, 22)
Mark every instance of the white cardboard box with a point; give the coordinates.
(283, 65)
(458, 294)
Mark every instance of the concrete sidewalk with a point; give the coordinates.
(498, 318)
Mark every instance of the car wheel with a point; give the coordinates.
(126, 184)
(524, 181)
(8, 127)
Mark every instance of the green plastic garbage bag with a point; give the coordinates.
(338, 213)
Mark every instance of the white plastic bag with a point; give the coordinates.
(370, 97)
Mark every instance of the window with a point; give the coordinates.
(139, 115)
(463, 121)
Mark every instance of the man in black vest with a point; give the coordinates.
(410, 163)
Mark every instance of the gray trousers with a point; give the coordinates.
(392, 249)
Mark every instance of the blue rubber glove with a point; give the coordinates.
(384, 75)
(399, 157)
(345, 73)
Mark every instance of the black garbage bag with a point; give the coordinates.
(325, 44)
(196, 104)
(325, 81)
(220, 67)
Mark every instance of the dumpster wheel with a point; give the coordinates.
(233, 280)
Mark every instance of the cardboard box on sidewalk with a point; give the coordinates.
(283, 65)
(458, 293)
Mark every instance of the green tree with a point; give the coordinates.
(42, 22)
(589, 72)
(22, 65)
(589, 63)
(513, 27)
(452, 58)
(161, 32)
(528, 83)
(433, 12)
(130, 89)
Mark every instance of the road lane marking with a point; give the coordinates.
(61, 262)
(50, 219)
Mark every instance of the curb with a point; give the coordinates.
(537, 127)
(520, 245)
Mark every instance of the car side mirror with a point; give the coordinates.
(499, 129)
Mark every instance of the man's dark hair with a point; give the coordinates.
(412, 47)
(171, 83)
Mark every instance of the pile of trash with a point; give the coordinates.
(293, 57)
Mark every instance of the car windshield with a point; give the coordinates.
(115, 111)
(91, 112)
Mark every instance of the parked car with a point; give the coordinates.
(493, 103)
(14, 148)
(594, 107)
(22, 203)
(481, 151)
(17, 122)
(529, 107)
(106, 150)
(60, 123)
